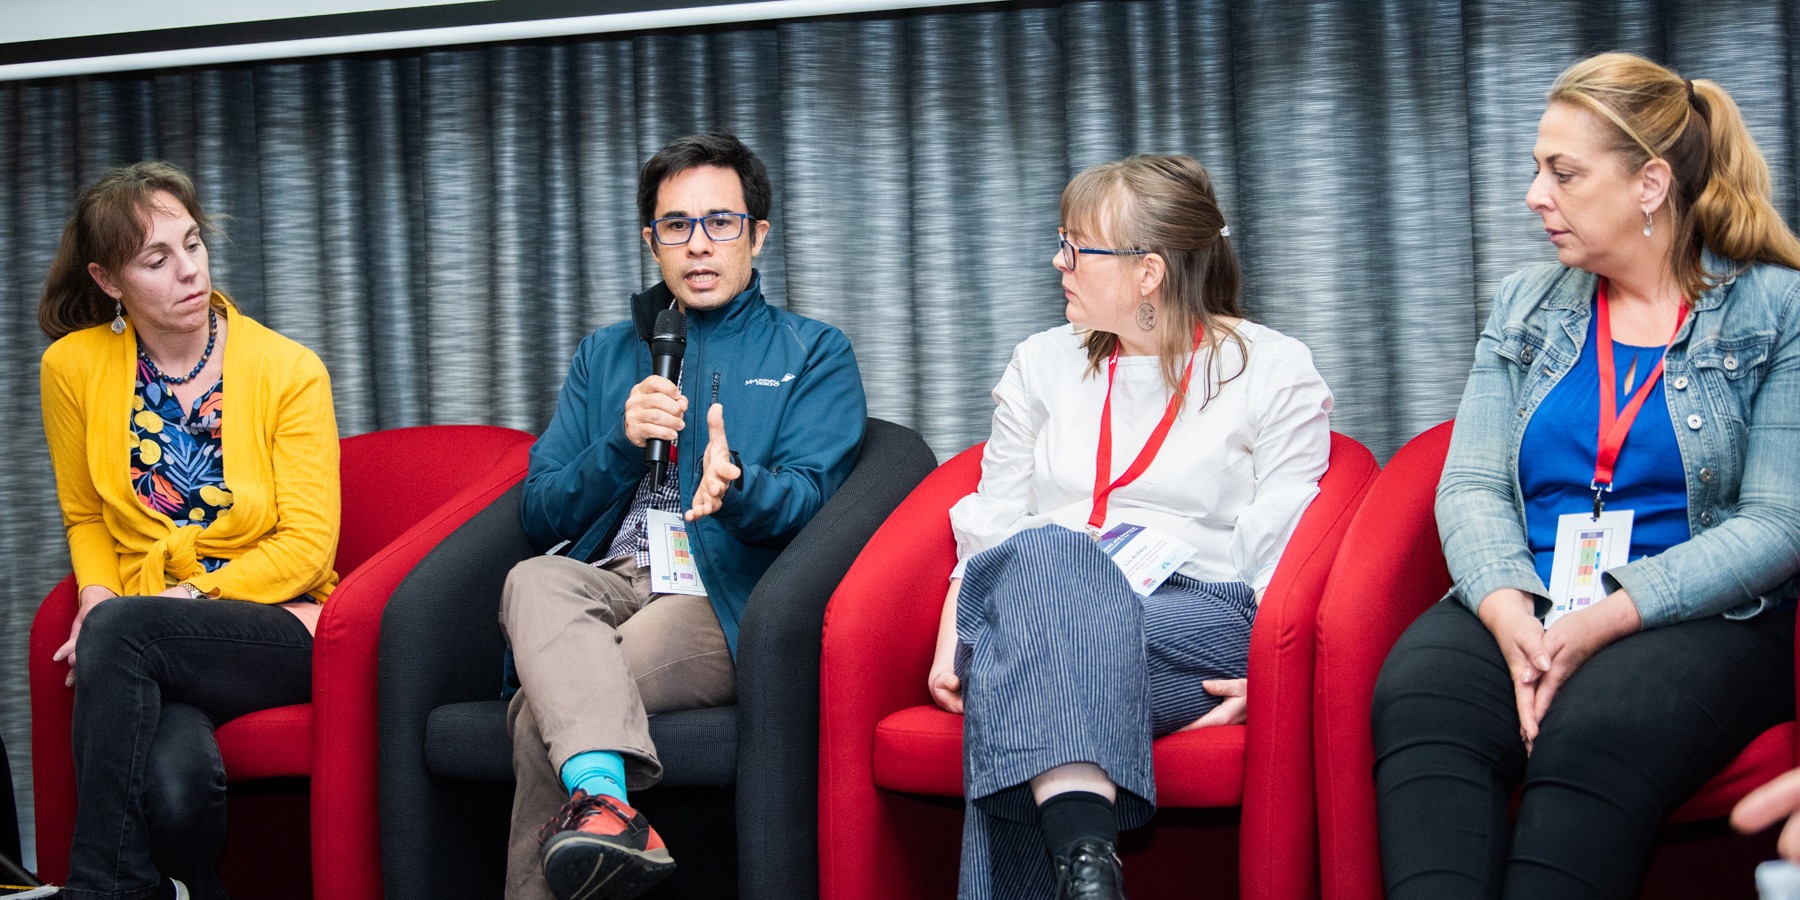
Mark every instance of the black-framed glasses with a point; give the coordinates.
(674, 231)
(1071, 252)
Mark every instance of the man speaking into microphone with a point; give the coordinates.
(688, 446)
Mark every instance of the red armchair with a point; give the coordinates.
(1388, 571)
(403, 490)
(888, 758)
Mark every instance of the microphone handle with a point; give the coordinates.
(667, 365)
(656, 452)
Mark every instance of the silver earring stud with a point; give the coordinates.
(1649, 226)
(118, 325)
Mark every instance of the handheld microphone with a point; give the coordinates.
(668, 341)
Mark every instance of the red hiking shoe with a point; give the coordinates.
(597, 848)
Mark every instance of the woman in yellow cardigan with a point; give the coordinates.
(196, 461)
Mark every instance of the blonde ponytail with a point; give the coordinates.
(1719, 198)
(1734, 214)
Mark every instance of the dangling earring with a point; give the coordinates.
(1146, 317)
(1649, 226)
(118, 325)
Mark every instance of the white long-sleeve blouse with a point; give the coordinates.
(1232, 478)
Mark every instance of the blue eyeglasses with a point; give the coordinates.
(1070, 251)
(673, 231)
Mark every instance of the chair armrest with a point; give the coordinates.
(1277, 834)
(881, 623)
(1388, 571)
(441, 641)
(346, 834)
(880, 627)
(52, 718)
(778, 665)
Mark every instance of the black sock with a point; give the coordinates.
(1076, 815)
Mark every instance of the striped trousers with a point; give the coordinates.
(1062, 663)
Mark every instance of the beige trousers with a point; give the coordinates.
(597, 655)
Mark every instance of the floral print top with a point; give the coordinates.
(177, 458)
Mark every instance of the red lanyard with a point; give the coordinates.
(1103, 456)
(1615, 424)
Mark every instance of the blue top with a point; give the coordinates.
(1556, 457)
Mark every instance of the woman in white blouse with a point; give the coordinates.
(1148, 462)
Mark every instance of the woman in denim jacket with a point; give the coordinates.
(1676, 286)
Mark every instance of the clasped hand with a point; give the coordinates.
(1541, 659)
(655, 410)
(91, 596)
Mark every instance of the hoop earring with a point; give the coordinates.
(1649, 226)
(118, 325)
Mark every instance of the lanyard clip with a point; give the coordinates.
(1599, 501)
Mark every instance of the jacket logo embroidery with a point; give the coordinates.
(769, 382)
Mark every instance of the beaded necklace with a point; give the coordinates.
(212, 334)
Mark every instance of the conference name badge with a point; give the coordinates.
(672, 568)
(1586, 547)
(1146, 556)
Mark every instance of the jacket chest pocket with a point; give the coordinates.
(1728, 373)
(1523, 350)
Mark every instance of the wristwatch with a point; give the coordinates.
(193, 592)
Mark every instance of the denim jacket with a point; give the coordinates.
(1733, 386)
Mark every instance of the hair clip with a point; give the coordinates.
(1224, 231)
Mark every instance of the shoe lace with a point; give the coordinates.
(581, 805)
(1076, 871)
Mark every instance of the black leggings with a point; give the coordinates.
(153, 675)
(1632, 735)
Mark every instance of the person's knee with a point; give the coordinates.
(1406, 670)
(678, 656)
(528, 583)
(1052, 539)
(1431, 681)
(113, 630)
(1587, 727)
(1028, 555)
(184, 778)
(120, 618)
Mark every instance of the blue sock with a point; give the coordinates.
(597, 772)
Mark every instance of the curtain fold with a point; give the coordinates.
(444, 226)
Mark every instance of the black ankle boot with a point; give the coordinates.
(1089, 870)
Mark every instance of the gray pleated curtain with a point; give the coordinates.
(443, 227)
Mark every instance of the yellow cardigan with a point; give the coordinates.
(280, 449)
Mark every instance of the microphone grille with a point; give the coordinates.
(670, 325)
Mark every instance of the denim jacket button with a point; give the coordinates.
(1706, 517)
(1525, 355)
(1680, 383)
(1706, 475)
(1731, 362)
(1694, 422)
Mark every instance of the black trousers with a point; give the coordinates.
(153, 676)
(1634, 733)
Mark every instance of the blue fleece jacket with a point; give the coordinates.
(794, 414)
